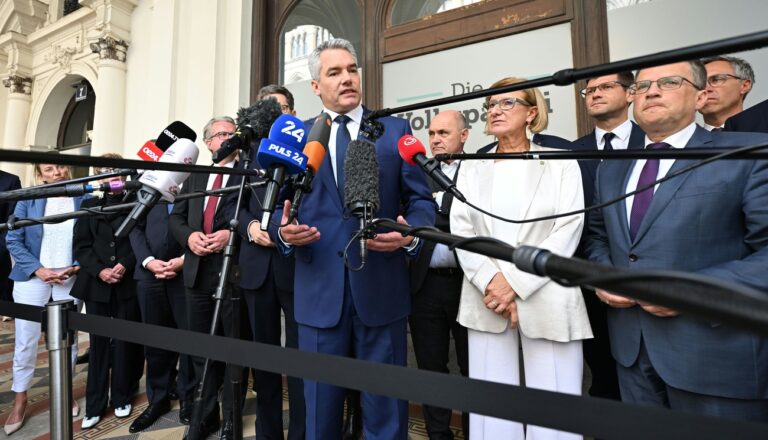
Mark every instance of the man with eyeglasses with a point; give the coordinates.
(607, 100)
(201, 226)
(710, 221)
(729, 80)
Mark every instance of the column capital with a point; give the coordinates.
(109, 48)
(18, 84)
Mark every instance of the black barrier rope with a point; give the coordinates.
(587, 415)
(692, 153)
(726, 153)
(716, 300)
(21, 311)
(19, 156)
(566, 77)
(16, 223)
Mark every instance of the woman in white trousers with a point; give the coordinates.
(43, 271)
(504, 308)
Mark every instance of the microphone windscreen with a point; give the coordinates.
(260, 116)
(173, 132)
(361, 175)
(409, 146)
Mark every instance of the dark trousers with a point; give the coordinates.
(6, 284)
(114, 367)
(264, 306)
(641, 384)
(433, 321)
(597, 351)
(163, 302)
(383, 417)
(200, 308)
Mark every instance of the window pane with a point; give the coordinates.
(409, 10)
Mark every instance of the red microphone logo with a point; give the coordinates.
(409, 140)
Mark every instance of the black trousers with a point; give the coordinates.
(114, 367)
(200, 309)
(264, 306)
(597, 351)
(163, 302)
(432, 322)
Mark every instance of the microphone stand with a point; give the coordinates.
(717, 301)
(226, 290)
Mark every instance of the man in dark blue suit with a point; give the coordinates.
(710, 221)
(754, 119)
(162, 301)
(267, 287)
(8, 182)
(607, 101)
(360, 314)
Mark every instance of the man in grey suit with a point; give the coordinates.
(711, 221)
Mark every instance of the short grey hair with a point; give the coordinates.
(336, 43)
(207, 129)
(741, 67)
(699, 73)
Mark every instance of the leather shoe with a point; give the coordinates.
(353, 422)
(227, 430)
(149, 415)
(209, 426)
(83, 358)
(185, 412)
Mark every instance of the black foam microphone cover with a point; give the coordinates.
(361, 176)
(259, 117)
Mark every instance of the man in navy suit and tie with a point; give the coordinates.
(360, 314)
(711, 221)
(607, 101)
(729, 80)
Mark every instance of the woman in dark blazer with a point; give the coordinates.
(107, 287)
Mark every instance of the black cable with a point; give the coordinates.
(684, 170)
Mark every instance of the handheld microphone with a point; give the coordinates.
(253, 123)
(279, 154)
(413, 152)
(160, 184)
(361, 186)
(151, 151)
(315, 150)
(68, 190)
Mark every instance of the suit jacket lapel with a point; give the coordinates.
(666, 191)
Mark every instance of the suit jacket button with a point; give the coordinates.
(111, 244)
(632, 258)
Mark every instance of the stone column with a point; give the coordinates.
(109, 112)
(16, 118)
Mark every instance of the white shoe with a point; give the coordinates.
(90, 422)
(123, 411)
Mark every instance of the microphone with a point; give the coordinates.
(253, 123)
(68, 190)
(160, 184)
(361, 186)
(413, 152)
(151, 151)
(317, 145)
(279, 154)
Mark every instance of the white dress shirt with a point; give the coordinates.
(711, 127)
(212, 177)
(620, 141)
(677, 140)
(353, 126)
(442, 256)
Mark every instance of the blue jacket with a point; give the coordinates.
(24, 243)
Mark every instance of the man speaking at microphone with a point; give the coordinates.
(342, 312)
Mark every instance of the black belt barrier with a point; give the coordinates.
(586, 415)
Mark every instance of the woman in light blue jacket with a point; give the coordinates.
(43, 270)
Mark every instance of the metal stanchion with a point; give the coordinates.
(58, 342)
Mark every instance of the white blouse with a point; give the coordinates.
(56, 248)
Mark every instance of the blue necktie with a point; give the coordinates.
(342, 141)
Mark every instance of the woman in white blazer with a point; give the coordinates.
(504, 308)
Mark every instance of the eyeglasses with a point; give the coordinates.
(104, 170)
(505, 104)
(720, 79)
(666, 83)
(222, 135)
(603, 87)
